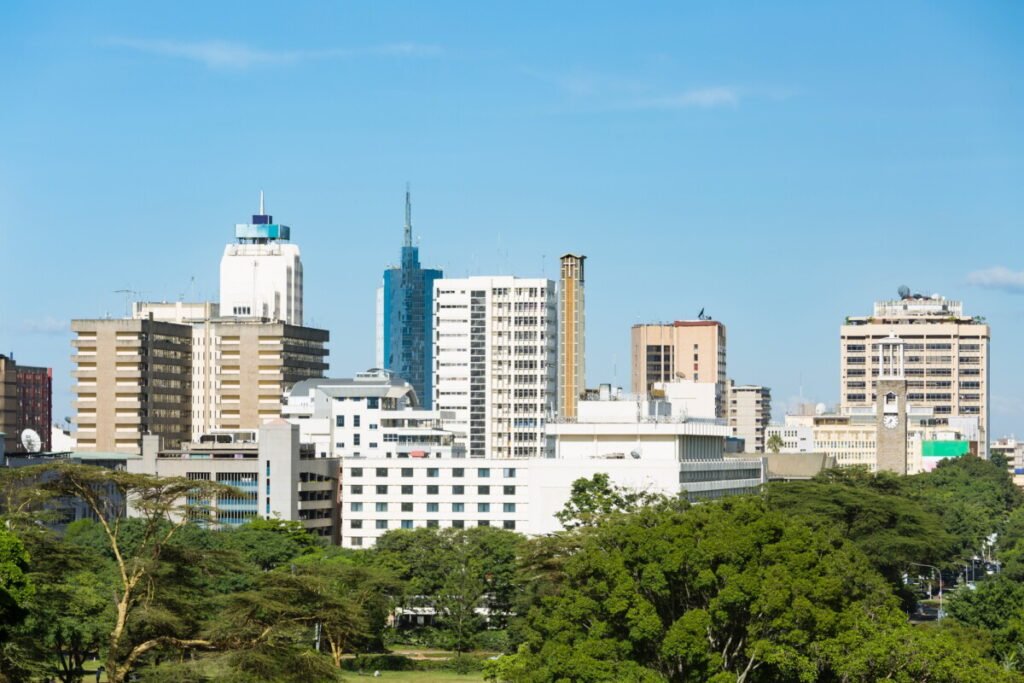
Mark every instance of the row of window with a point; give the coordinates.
(432, 490)
(357, 541)
(433, 472)
(431, 507)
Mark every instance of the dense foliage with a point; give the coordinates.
(810, 581)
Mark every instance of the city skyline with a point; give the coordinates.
(685, 190)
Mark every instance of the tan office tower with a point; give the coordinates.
(686, 349)
(945, 356)
(571, 336)
(132, 377)
(750, 411)
(244, 367)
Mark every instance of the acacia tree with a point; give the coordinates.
(163, 506)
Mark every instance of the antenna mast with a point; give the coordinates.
(408, 217)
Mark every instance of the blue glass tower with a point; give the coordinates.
(407, 317)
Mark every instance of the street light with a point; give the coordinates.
(918, 564)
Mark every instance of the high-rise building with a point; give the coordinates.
(571, 335)
(686, 349)
(132, 377)
(945, 354)
(261, 274)
(495, 362)
(405, 321)
(750, 411)
(241, 367)
(26, 402)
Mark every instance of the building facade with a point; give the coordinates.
(692, 350)
(946, 356)
(374, 414)
(261, 273)
(496, 362)
(26, 402)
(750, 411)
(276, 476)
(1013, 451)
(572, 374)
(405, 317)
(132, 377)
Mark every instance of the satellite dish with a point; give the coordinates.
(904, 292)
(30, 441)
(635, 455)
(820, 409)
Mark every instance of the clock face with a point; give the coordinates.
(890, 421)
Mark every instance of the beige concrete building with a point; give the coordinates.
(750, 411)
(1013, 450)
(243, 369)
(946, 358)
(132, 377)
(686, 349)
(571, 336)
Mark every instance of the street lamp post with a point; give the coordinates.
(918, 564)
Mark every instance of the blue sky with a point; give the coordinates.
(780, 164)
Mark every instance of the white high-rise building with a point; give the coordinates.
(496, 362)
(261, 275)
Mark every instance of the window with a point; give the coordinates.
(355, 439)
(432, 507)
(355, 420)
(357, 472)
(356, 540)
(355, 523)
(406, 523)
(458, 524)
(382, 507)
(509, 507)
(458, 490)
(508, 524)
(406, 471)
(458, 472)
(355, 507)
(382, 524)
(433, 472)
(483, 473)
(483, 490)
(357, 489)
(458, 507)
(382, 471)
(510, 490)
(432, 524)
(406, 489)
(483, 522)
(483, 507)
(432, 490)
(406, 507)
(373, 402)
(339, 421)
(509, 472)
(382, 489)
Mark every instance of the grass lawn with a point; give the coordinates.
(419, 677)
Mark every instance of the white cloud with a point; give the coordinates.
(47, 325)
(998, 277)
(700, 98)
(219, 54)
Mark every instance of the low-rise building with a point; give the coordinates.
(1013, 451)
(275, 475)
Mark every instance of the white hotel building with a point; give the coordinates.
(640, 444)
(496, 362)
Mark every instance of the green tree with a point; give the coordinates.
(775, 443)
(593, 499)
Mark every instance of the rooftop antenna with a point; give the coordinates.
(408, 217)
(262, 213)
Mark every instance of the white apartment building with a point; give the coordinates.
(495, 362)
(643, 448)
(946, 357)
(750, 410)
(796, 433)
(261, 274)
(374, 414)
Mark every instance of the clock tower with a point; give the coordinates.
(891, 407)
